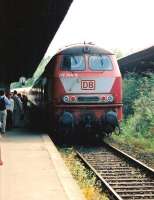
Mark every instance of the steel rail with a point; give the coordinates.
(121, 174)
(105, 184)
(131, 159)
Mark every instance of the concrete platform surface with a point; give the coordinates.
(34, 170)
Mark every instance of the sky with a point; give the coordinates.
(110, 24)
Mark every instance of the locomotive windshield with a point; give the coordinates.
(73, 63)
(100, 62)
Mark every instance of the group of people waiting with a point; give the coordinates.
(12, 107)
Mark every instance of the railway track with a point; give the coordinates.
(123, 176)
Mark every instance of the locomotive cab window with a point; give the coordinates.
(100, 62)
(73, 63)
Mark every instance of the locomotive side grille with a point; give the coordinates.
(85, 99)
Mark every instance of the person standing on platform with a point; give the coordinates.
(18, 109)
(10, 108)
(20, 96)
(24, 101)
(4, 102)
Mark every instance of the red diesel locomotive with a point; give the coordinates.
(80, 89)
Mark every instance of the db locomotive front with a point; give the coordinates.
(81, 89)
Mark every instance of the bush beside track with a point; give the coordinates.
(137, 136)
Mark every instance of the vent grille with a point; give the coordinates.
(88, 99)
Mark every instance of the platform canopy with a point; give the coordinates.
(26, 29)
(139, 62)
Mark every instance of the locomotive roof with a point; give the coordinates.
(85, 48)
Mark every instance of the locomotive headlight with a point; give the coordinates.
(110, 98)
(66, 99)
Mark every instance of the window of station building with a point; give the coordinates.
(100, 63)
(73, 63)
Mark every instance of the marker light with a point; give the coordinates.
(110, 98)
(73, 98)
(103, 98)
(66, 99)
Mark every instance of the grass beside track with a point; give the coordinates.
(86, 180)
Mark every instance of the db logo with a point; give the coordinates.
(88, 85)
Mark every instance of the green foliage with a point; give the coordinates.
(131, 92)
(144, 109)
(134, 86)
(138, 125)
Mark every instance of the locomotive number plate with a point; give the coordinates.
(88, 85)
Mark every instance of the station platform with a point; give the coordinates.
(34, 170)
